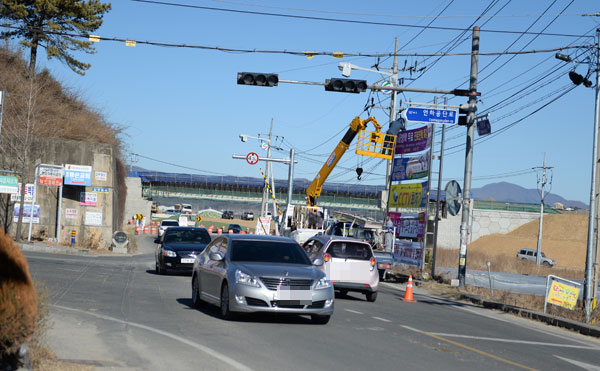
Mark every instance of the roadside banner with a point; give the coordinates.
(415, 140)
(408, 253)
(408, 225)
(9, 184)
(50, 176)
(408, 195)
(29, 190)
(27, 213)
(80, 175)
(411, 167)
(263, 225)
(563, 295)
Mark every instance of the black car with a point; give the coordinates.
(179, 246)
(235, 228)
(227, 214)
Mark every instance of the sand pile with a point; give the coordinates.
(564, 239)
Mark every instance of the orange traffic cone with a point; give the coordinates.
(408, 294)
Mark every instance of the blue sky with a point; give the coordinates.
(183, 106)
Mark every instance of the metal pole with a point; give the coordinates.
(290, 177)
(439, 190)
(538, 257)
(589, 290)
(33, 196)
(464, 224)
(264, 203)
(2, 94)
(426, 231)
(388, 172)
(58, 220)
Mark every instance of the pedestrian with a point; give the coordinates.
(389, 235)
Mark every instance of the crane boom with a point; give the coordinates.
(314, 190)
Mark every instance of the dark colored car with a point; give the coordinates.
(178, 248)
(227, 214)
(236, 228)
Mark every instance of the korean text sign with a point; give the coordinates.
(78, 175)
(408, 195)
(408, 225)
(415, 140)
(563, 295)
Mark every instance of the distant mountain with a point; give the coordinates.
(508, 192)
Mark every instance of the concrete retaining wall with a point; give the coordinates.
(135, 203)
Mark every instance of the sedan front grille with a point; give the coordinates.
(294, 284)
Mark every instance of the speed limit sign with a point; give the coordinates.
(252, 158)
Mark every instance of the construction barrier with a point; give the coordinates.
(210, 229)
(138, 229)
(219, 231)
(231, 231)
(154, 229)
(146, 229)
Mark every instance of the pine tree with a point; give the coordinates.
(47, 23)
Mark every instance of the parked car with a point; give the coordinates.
(179, 247)
(531, 254)
(236, 228)
(349, 263)
(247, 215)
(244, 273)
(164, 224)
(227, 214)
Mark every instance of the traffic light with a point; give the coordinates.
(463, 113)
(258, 79)
(577, 79)
(346, 85)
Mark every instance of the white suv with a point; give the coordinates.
(349, 263)
(166, 223)
(531, 254)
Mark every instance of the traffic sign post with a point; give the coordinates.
(431, 115)
(252, 158)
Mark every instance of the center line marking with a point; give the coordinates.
(353, 311)
(381, 319)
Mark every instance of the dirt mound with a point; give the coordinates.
(564, 238)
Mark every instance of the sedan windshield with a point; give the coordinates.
(187, 236)
(268, 252)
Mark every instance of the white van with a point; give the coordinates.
(186, 209)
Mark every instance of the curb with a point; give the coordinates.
(542, 317)
(51, 248)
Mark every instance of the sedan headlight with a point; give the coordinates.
(323, 283)
(245, 279)
(169, 253)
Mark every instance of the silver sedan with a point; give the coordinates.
(244, 273)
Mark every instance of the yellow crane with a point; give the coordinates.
(369, 143)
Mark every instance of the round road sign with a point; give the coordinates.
(252, 158)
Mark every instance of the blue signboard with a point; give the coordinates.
(80, 175)
(437, 116)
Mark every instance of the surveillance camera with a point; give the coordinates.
(243, 137)
(346, 69)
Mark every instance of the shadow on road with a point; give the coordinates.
(213, 311)
(184, 273)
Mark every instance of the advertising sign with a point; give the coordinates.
(408, 195)
(415, 140)
(100, 175)
(71, 213)
(408, 225)
(408, 252)
(411, 167)
(50, 176)
(27, 213)
(263, 225)
(88, 199)
(78, 175)
(29, 189)
(93, 218)
(563, 295)
(9, 184)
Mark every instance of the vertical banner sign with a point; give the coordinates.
(563, 295)
(80, 175)
(408, 225)
(415, 140)
(408, 252)
(408, 195)
(411, 167)
(9, 184)
(50, 176)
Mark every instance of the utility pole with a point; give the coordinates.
(591, 257)
(388, 172)
(264, 204)
(439, 190)
(464, 224)
(538, 258)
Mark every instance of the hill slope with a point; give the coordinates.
(508, 192)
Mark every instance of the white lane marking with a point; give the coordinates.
(585, 366)
(514, 341)
(381, 319)
(203, 348)
(353, 311)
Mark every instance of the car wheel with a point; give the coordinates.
(196, 301)
(319, 320)
(371, 296)
(546, 264)
(225, 312)
(159, 269)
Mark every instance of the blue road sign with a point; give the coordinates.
(431, 115)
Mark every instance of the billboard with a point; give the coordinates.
(408, 225)
(408, 252)
(78, 175)
(415, 140)
(411, 167)
(408, 195)
(27, 213)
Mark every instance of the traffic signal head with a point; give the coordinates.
(258, 79)
(463, 113)
(346, 85)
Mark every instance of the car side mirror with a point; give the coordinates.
(318, 262)
(157, 240)
(217, 256)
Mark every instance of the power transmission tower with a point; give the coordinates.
(538, 258)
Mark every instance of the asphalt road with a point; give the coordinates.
(114, 312)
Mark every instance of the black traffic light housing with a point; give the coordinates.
(346, 85)
(257, 79)
(463, 113)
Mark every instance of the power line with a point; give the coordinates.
(177, 165)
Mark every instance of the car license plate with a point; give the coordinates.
(282, 295)
(187, 260)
